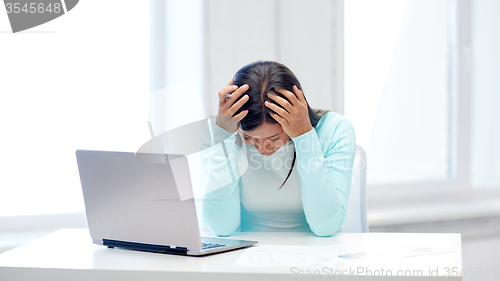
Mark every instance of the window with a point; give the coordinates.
(78, 82)
(397, 87)
(421, 84)
(485, 144)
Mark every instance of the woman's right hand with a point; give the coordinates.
(228, 107)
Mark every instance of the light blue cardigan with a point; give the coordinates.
(325, 157)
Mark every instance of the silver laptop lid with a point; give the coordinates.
(134, 198)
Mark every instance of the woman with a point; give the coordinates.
(297, 172)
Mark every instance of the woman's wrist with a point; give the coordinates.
(305, 132)
(219, 133)
(307, 144)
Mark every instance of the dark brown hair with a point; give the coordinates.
(263, 77)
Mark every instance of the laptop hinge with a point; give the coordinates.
(145, 247)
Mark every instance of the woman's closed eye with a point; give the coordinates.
(273, 140)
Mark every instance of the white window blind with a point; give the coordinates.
(397, 87)
(78, 82)
(485, 143)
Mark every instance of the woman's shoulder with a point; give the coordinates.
(333, 121)
(334, 125)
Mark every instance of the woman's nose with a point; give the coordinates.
(262, 145)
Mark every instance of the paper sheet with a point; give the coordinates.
(328, 256)
(287, 256)
(379, 251)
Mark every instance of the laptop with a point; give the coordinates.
(135, 201)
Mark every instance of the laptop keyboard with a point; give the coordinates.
(205, 246)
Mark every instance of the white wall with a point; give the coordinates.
(306, 36)
(485, 168)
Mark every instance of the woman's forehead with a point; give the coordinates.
(265, 130)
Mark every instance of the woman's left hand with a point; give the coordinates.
(294, 118)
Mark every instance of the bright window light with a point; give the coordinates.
(396, 87)
(80, 84)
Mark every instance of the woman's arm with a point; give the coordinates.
(221, 200)
(325, 178)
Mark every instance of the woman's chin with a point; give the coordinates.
(268, 153)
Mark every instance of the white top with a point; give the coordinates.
(242, 187)
(263, 207)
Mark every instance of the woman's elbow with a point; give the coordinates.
(221, 228)
(324, 231)
(223, 231)
(329, 227)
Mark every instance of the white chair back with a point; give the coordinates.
(355, 219)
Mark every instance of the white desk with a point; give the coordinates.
(69, 254)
